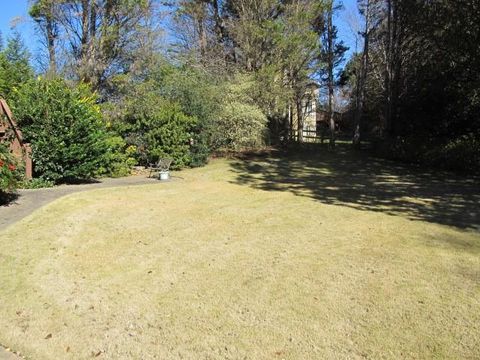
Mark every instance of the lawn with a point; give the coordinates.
(304, 257)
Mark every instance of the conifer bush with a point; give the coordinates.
(64, 125)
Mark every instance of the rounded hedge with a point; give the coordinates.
(64, 125)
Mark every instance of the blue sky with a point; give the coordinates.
(16, 12)
(346, 21)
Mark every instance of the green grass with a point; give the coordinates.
(256, 259)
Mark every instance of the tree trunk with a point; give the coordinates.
(84, 42)
(331, 54)
(91, 55)
(202, 31)
(299, 120)
(362, 79)
(52, 62)
(85, 28)
(289, 124)
(397, 40)
(388, 72)
(219, 27)
(202, 38)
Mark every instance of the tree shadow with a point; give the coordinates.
(79, 181)
(7, 199)
(354, 179)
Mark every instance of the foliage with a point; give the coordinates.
(118, 158)
(200, 95)
(422, 83)
(169, 134)
(240, 126)
(36, 183)
(240, 123)
(15, 69)
(98, 36)
(8, 176)
(276, 42)
(64, 125)
(461, 154)
(152, 126)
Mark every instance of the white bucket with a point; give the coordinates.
(164, 175)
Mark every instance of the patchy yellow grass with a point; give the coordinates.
(208, 269)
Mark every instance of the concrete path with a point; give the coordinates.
(30, 200)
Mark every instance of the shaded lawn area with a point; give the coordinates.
(214, 267)
(355, 180)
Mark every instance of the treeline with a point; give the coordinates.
(415, 85)
(113, 94)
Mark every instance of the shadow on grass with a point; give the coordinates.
(356, 180)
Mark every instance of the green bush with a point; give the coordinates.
(37, 183)
(239, 123)
(117, 160)
(8, 176)
(200, 96)
(152, 126)
(239, 126)
(64, 125)
(461, 154)
(169, 135)
(200, 150)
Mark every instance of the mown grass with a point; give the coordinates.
(221, 266)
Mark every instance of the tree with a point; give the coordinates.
(416, 83)
(99, 36)
(369, 10)
(15, 67)
(46, 15)
(267, 39)
(332, 54)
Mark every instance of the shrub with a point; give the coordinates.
(8, 175)
(239, 126)
(152, 126)
(64, 125)
(117, 160)
(240, 123)
(462, 154)
(200, 96)
(170, 134)
(200, 150)
(37, 183)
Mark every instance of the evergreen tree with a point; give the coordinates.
(15, 66)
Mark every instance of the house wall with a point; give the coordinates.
(309, 106)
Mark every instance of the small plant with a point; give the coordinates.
(37, 183)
